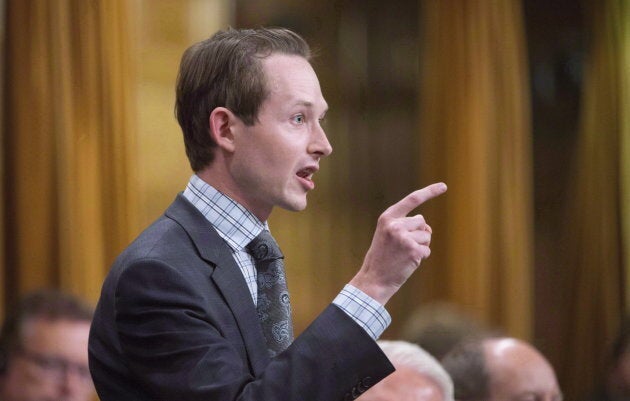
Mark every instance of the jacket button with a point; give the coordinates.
(366, 383)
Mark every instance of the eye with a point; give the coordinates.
(298, 119)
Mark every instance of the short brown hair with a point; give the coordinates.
(225, 71)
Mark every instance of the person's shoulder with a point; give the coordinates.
(162, 245)
(157, 241)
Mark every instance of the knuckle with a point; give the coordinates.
(417, 257)
(383, 219)
(392, 227)
(416, 197)
(420, 253)
(426, 252)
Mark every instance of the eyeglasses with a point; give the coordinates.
(56, 368)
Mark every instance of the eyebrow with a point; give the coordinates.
(308, 104)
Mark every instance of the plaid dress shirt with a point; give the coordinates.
(238, 227)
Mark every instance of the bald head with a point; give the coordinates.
(516, 370)
(499, 369)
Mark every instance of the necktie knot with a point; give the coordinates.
(264, 247)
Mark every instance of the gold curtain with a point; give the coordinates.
(163, 29)
(2, 133)
(68, 143)
(593, 263)
(624, 101)
(475, 136)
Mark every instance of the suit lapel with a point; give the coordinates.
(227, 276)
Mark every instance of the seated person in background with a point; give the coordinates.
(418, 376)
(43, 350)
(500, 369)
(616, 384)
(437, 327)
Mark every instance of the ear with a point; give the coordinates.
(221, 124)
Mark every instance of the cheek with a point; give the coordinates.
(276, 163)
(23, 381)
(267, 163)
(20, 372)
(266, 156)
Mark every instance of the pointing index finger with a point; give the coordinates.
(415, 199)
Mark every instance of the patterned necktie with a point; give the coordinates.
(273, 306)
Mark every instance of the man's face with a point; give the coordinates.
(274, 160)
(52, 365)
(519, 373)
(405, 384)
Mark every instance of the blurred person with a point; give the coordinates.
(616, 382)
(43, 349)
(500, 369)
(418, 376)
(197, 307)
(437, 327)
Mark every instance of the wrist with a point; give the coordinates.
(379, 293)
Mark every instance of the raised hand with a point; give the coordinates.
(399, 245)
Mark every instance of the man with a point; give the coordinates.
(418, 376)
(196, 308)
(43, 350)
(499, 369)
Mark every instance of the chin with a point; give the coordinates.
(294, 205)
(294, 208)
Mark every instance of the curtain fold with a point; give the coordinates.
(68, 137)
(624, 86)
(596, 204)
(2, 157)
(475, 136)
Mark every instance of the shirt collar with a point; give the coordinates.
(235, 224)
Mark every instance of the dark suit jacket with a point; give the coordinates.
(176, 321)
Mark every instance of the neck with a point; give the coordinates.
(226, 185)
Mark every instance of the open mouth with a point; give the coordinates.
(306, 173)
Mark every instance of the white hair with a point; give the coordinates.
(402, 353)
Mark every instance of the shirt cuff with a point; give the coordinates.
(363, 309)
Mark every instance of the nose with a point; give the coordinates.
(319, 144)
